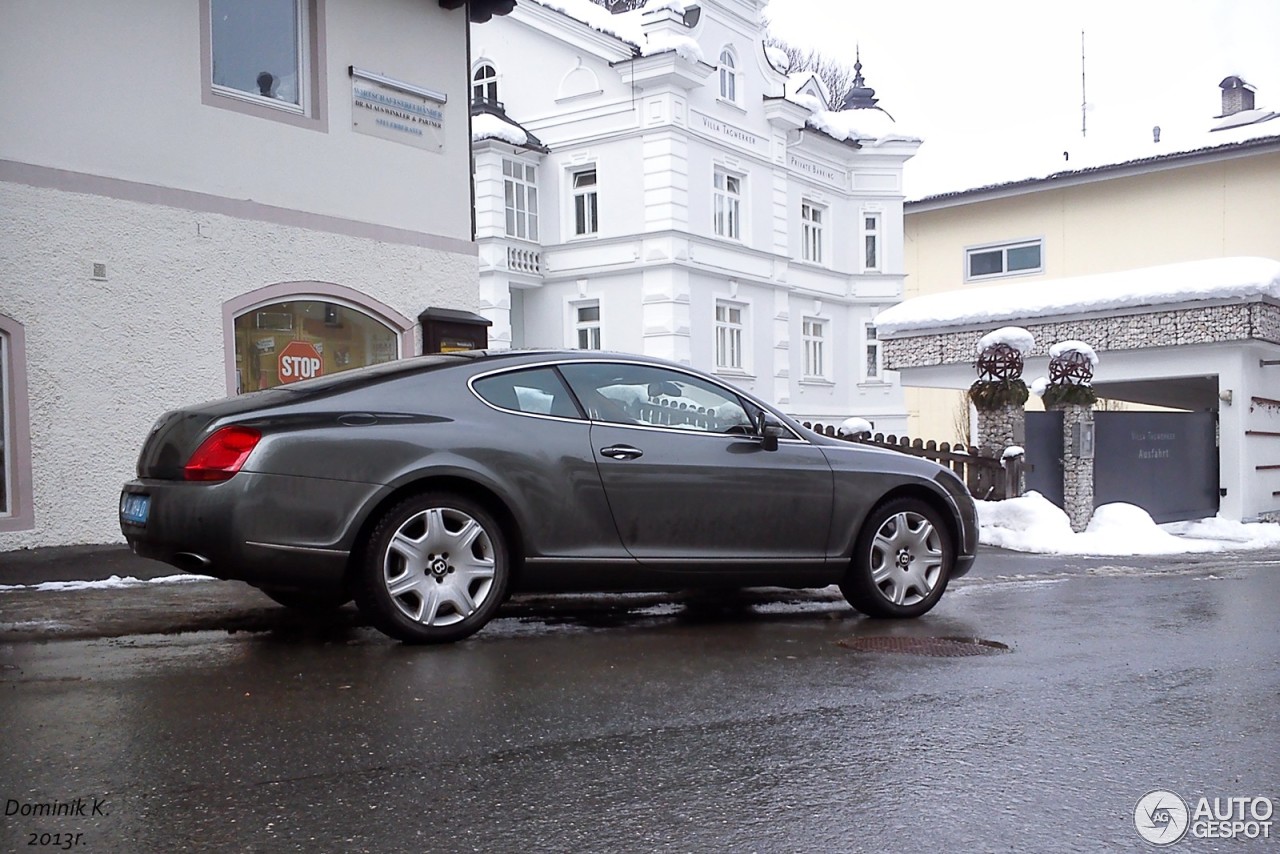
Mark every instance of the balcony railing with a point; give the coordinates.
(521, 260)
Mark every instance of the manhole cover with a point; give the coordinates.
(940, 647)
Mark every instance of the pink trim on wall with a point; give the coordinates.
(21, 516)
(325, 291)
(152, 194)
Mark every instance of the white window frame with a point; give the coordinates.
(17, 510)
(872, 242)
(726, 204)
(311, 95)
(592, 331)
(813, 332)
(729, 76)
(520, 199)
(811, 231)
(586, 201)
(872, 370)
(731, 338)
(1003, 249)
(484, 88)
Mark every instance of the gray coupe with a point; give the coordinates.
(429, 489)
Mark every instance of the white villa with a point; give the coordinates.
(652, 182)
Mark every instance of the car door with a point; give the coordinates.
(538, 449)
(686, 477)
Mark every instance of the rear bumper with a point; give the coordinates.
(254, 528)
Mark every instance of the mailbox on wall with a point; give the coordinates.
(449, 330)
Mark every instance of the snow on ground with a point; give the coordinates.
(1032, 523)
(115, 582)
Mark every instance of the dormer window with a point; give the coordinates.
(728, 76)
(484, 84)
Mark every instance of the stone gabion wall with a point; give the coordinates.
(997, 429)
(1266, 322)
(1077, 473)
(1204, 325)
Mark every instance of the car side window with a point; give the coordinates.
(534, 391)
(620, 393)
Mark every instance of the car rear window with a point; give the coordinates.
(534, 391)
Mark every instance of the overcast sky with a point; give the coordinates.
(994, 86)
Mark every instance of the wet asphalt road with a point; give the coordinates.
(653, 724)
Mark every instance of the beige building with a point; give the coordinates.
(1213, 194)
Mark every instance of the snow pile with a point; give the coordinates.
(1214, 278)
(854, 427)
(489, 126)
(684, 46)
(1032, 523)
(874, 126)
(1014, 336)
(625, 26)
(115, 582)
(777, 57)
(1074, 346)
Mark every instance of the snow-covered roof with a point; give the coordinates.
(1002, 167)
(490, 124)
(1192, 281)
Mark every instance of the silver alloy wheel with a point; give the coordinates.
(906, 558)
(439, 566)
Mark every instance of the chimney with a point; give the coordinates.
(1237, 96)
(662, 22)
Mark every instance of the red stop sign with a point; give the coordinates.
(299, 360)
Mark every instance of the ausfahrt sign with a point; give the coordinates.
(299, 360)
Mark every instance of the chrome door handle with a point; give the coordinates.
(621, 452)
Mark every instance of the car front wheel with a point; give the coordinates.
(435, 570)
(901, 562)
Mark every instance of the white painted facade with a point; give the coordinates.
(654, 130)
(143, 210)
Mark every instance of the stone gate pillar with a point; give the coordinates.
(1077, 464)
(999, 395)
(1070, 391)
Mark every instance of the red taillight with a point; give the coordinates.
(221, 455)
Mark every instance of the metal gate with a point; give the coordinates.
(1164, 462)
(1044, 454)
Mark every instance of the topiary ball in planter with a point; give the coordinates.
(1063, 395)
(989, 395)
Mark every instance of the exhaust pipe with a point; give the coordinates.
(191, 562)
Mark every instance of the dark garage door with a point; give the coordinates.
(1164, 462)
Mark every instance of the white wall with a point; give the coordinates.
(105, 359)
(112, 156)
(114, 89)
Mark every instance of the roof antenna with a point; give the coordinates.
(1083, 100)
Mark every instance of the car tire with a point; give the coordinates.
(308, 601)
(435, 569)
(901, 562)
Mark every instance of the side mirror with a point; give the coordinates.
(768, 429)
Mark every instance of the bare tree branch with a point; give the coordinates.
(835, 75)
(616, 6)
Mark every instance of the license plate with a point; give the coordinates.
(134, 508)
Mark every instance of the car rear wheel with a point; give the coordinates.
(435, 569)
(901, 562)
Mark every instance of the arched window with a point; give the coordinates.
(728, 76)
(484, 83)
(293, 331)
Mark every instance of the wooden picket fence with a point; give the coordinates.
(988, 478)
